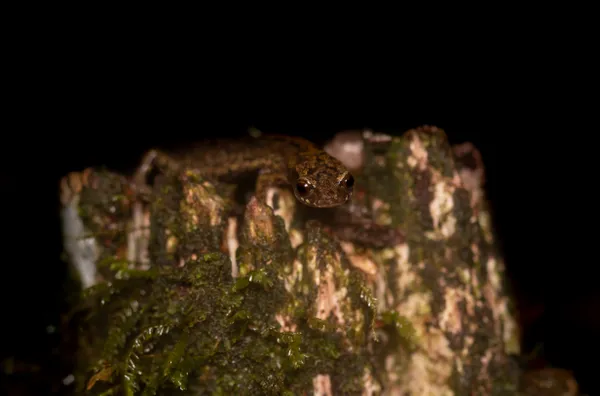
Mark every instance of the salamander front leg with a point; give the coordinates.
(369, 234)
(268, 179)
(353, 223)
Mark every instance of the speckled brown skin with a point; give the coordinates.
(318, 179)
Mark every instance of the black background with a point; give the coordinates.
(531, 132)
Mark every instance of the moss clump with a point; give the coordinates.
(186, 326)
(193, 328)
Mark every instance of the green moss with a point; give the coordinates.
(400, 327)
(195, 329)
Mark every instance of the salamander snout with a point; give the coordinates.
(324, 193)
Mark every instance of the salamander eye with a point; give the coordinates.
(350, 181)
(303, 187)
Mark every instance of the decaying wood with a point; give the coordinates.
(427, 316)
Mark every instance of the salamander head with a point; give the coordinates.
(322, 181)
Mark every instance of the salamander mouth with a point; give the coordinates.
(326, 203)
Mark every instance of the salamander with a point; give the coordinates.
(317, 179)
